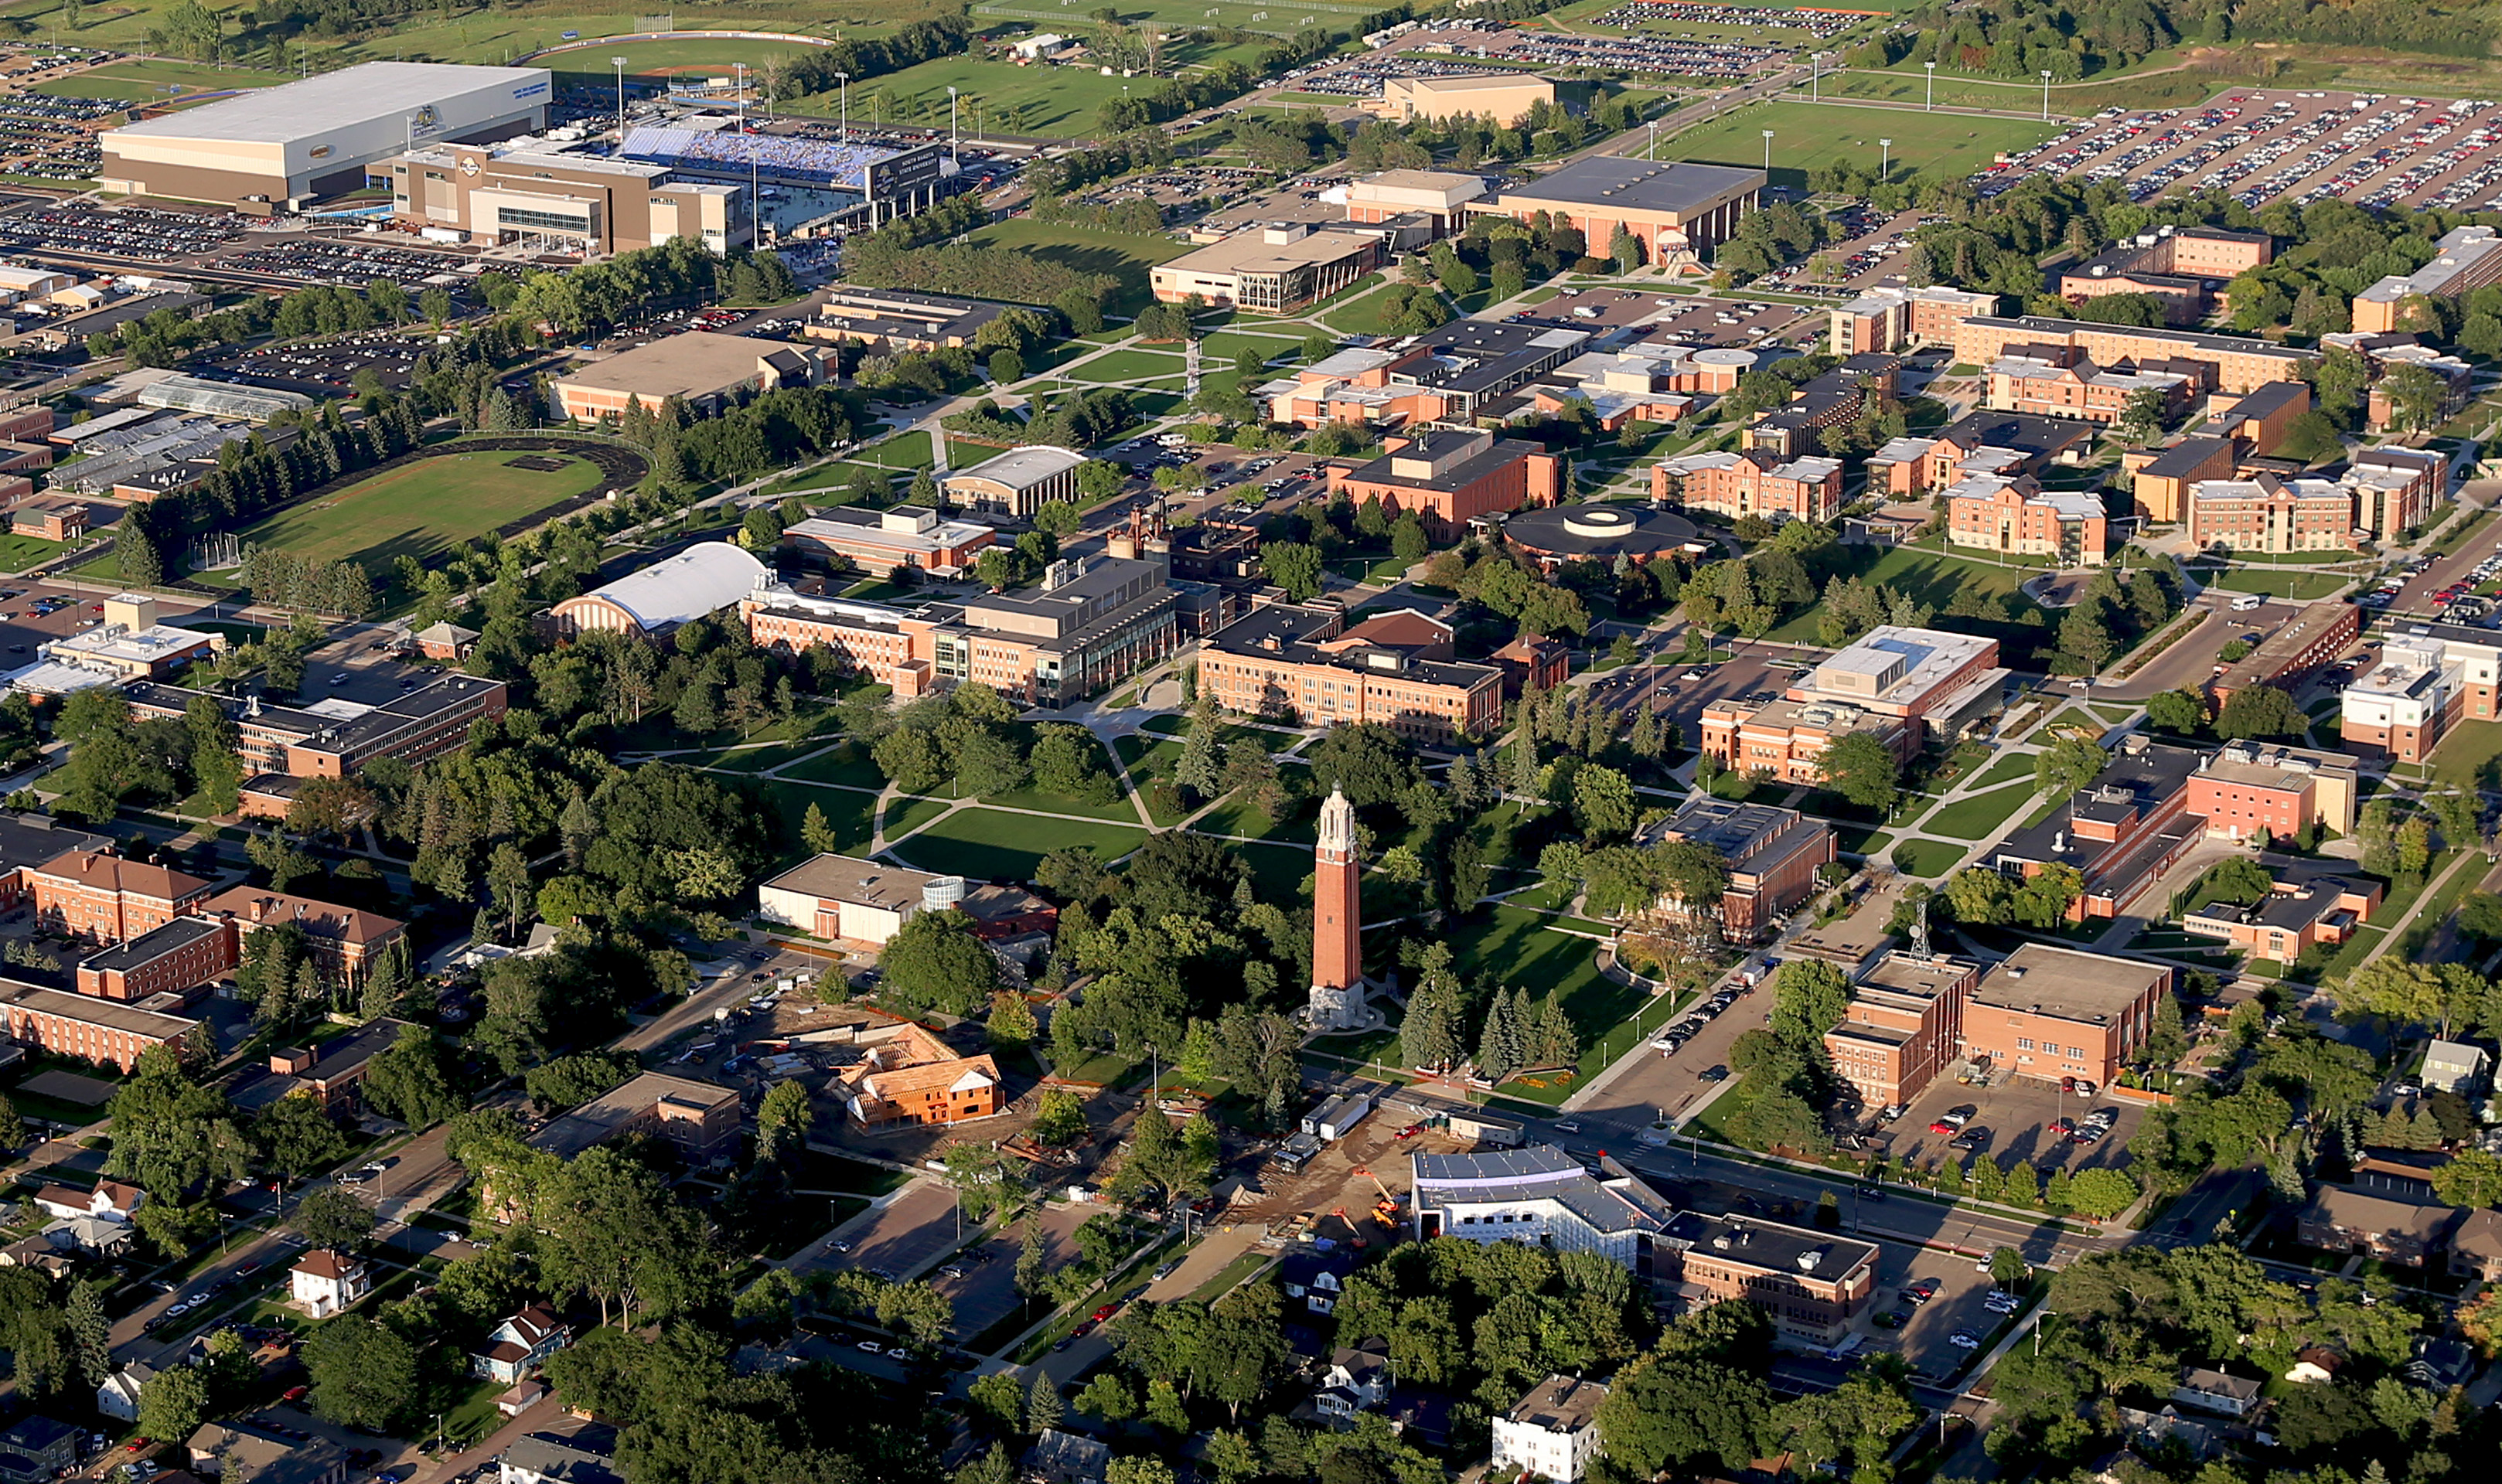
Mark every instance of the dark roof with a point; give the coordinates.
(1663, 186)
(1299, 632)
(1500, 453)
(2186, 458)
(179, 933)
(2272, 398)
(2021, 432)
(1769, 1245)
(2135, 782)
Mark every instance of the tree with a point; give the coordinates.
(784, 1120)
(332, 1218)
(2241, 880)
(1810, 998)
(1863, 770)
(297, 1137)
(1368, 761)
(2045, 897)
(174, 1402)
(171, 1136)
(1504, 1045)
(1676, 1414)
(2259, 711)
(408, 1082)
(2471, 1178)
(935, 962)
(2100, 1193)
(2008, 1268)
(2396, 991)
(1294, 566)
(2067, 766)
(1429, 1034)
(1059, 1119)
(1044, 1408)
(364, 1376)
(2179, 712)
(1012, 1020)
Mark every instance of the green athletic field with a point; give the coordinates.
(1807, 136)
(420, 507)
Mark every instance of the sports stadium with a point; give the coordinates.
(891, 182)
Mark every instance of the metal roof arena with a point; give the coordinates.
(294, 110)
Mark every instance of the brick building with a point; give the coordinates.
(2267, 791)
(878, 541)
(2049, 1013)
(1449, 477)
(31, 842)
(182, 955)
(2063, 382)
(2185, 268)
(2299, 913)
(1810, 1284)
(909, 1078)
(2160, 480)
(848, 900)
(1774, 855)
(431, 719)
(1903, 1025)
(104, 1031)
(1396, 668)
(1885, 319)
(1676, 210)
(98, 894)
(2017, 517)
(2430, 677)
(1753, 483)
(2119, 832)
(2349, 1221)
(2267, 512)
(2000, 442)
(1897, 684)
(344, 941)
(1017, 482)
(701, 1119)
(2466, 258)
(1440, 196)
(2294, 650)
(1860, 384)
(2237, 363)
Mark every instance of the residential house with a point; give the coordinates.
(37, 1448)
(327, 1281)
(244, 1454)
(2212, 1391)
(2341, 1220)
(2146, 1430)
(1317, 1278)
(2455, 1066)
(586, 1457)
(118, 1397)
(521, 1345)
(1552, 1433)
(111, 1199)
(2316, 1366)
(1064, 1458)
(1357, 1380)
(2438, 1363)
(2475, 1246)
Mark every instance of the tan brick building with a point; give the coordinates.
(1505, 97)
(2049, 1013)
(1396, 668)
(1884, 319)
(2238, 363)
(599, 204)
(1753, 483)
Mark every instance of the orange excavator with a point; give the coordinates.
(1389, 1209)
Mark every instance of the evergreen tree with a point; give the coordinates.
(817, 835)
(90, 1332)
(141, 566)
(1554, 1039)
(1504, 1047)
(1429, 1034)
(1042, 1404)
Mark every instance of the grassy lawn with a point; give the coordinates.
(1361, 317)
(1277, 872)
(853, 814)
(994, 845)
(1512, 946)
(1931, 577)
(1221, 347)
(1976, 815)
(847, 764)
(2006, 769)
(1928, 858)
(2470, 757)
(1808, 136)
(18, 552)
(2275, 583)
(422, 507)
(1125, 255)
(139, 82)
(1125, 366)
(1241, 817)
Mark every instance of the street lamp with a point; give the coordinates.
(1654, 140)
(843, 93)
(2037, 1320)
(618, 63)
(953, 136)
(1768, 150)
(1884, 158)
(2045, 94)
(1933, 87)
(1815, 78)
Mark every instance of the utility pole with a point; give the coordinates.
(1932, 106)
(618, 63)
(2045, 94)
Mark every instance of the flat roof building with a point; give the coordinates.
(878, 541)
(1676, 209)
(1810, 1284)
(1396, 668)
(1269, 270)
(104, 1031)
(1903, 1024)
(318, 136)
(1538, 1195)
(1449, 477)
(701, 1118)
(898, 321)
(1774, 855)
(2045, 1012)
(2430, 677)
(2466, 257)
(588, 203)
(1505, 97)
(702, 369)
(1440, 196)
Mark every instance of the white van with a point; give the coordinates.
(2247, 602)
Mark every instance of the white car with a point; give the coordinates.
(1964, 1339)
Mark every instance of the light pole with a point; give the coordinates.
(2037, 1319)
(2045, 94)
(1884, 158)
(1768, 150)
(1933, 87)
(1814, 77)
(1654, 140)
(843, 96)
(953, 137)
(618, 63)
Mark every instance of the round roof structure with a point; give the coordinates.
(1599, 533)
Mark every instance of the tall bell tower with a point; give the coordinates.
(1337, 1001)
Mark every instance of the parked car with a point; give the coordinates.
(1964, 1339)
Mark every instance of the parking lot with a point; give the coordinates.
(327, 369)
(2013, 1117)
(2267, 145)
(1678, 690)
(336, 260)
(141, 234)
(1867, 259)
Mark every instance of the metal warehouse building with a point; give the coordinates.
(308, 139)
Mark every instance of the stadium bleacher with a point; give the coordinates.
(775, 156)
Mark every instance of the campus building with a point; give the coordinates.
(343, 942)
(317, 137)
(887, 645)
(1539, 1196)
(1449, 477)
(2266, 512)
(1439, 197)
(1303, 663)
(2000, 442)
(98, 894)
(2292, 652)
(844, 900)
(2045, 1012)
(1505, 97)
(891, 320)
(2119, 832)
(171, 960)
(2299, 913)
(907, 1078)
(1269, 270)
(587, 203)
(654, 602)
(2063, 382)
(1887, 320)
(87, 1028)
(1810, 1284)
(1903, 1024)
(2185, 268)
(1016, 483)
(705, 371)
(1755, 482)
(1774, 855)
(2017, 516)
(1896, 684)
(1676, 210)
(2160, 480)
(701, 1118)
(878, 541)
(2270, 791)
(2234, 363)
(2466, 258)
(2431, 676)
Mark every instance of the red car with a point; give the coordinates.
(1411, 1131)
(1105, 1312)
(296, 1393)
(137, 1443)
(1082, 1331)
(1941, 1126)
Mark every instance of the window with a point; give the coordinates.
(2024, 1043)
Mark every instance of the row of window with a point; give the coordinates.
(2025, 1043)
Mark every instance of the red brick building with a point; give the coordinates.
(101, 895)
(343, 940)
(2049, 1013)
(1450, 478)
(1774, 855)
(182, 954)
(1903, 1025)
(2017, 517)
(103, 1031)
(2297, 915)
(1394, 669)
(1754, 483)
(1810, 1284)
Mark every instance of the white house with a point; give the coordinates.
(2212, 1391)
(519, 1344)
(111, 1199)
(118, 1397)
(2455, 1066)
(327, 1281)
(1358, 1380)
(1553, 1432)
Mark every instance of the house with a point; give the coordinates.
(118, 1397)
(2439, 1363)
(699, 1117)
(2475, 1246)
(327, 1281)
(2212, 1391)
(242, 1452)
(445, 641)
(2341, 1220)
(1315, 1277)
(1552, 1433)
(2455, 1066)
(37, 1448)
(2315, 1365)
(1357, 1380)
(586, 1457)
(111, 1199)
(521, 1345)
(2146, 1430)
(98, 1236)
(41, 1253)
(1064, 1458)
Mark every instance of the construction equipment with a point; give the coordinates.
(1391, 1208)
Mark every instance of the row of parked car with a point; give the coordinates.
(1682, 1030)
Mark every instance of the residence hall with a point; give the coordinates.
(1896, 683)
(2234, 363)
(2289, 655)
(1860, 384)
(2466, 258)
(2379, 496)
(1269, 270)
(2431, 676)
(2184, 268)
(1505, 97)
(1447, 375)
(907, 1078)
(2002, 443)
(172, 960)
(705, 370)
(1887, 320)
(97, 894)
(595, 204)
(1676, 210)
(344, 941)
(2049, 1013)
(332, 738)
(104, 1031)
(878, 541)
(1016, 483)
(1753, 482)
(1810, 1284)
(29, 841)
(1092, 623)
(1774, 855)
(2270, 791)
(2063, 382)
(1448, 477)
(1303, 664)
(2299, 913)
(2017, 516)
(1903, 1024)
(844, 900)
